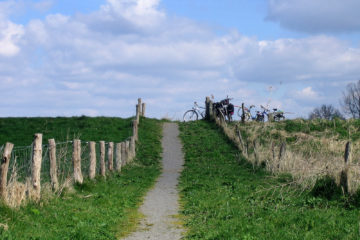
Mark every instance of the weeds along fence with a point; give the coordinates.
(29, 172)
(306, 157)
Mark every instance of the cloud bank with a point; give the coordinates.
(100, 63)
(319, 16)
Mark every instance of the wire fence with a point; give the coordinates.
(20, 166)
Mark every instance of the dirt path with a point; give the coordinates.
(161, 203)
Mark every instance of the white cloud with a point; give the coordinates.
(10, 35)
(43, 6)
(307, 94)
(318, 16)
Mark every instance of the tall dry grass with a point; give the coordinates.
(308, 156)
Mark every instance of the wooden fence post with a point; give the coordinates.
(127, 149)
(255, 152)
(207, 108)
(137, 113)
(143, 110)
(53, 167)
(5, 161)
(135, 129)
(102, 159)
(123, 154)
(118, 157)
(243, 113)
(139, 108)
(240, 138)
(78, 177)
(282, 153)
(345, 173)
(92, 168)
(111, 156)
(36, 167)
(282, 150)
(273, 150)
(132, 150)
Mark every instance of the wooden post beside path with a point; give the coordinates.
(5, 160)
(143, 109)
(92, 168)
(111, 156)
(78, 177)
(102, 159)
(53, 166)
(243, 113)
(118, 157)
(345, 173)
(36, 167)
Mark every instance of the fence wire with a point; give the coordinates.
(20, 166)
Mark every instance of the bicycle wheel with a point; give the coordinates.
(247, 117)
(190, 115)
(239, 112)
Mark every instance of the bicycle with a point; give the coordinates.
(248, 115)
(260, 115)
(193, 114)
(224, 109)
(278, 115)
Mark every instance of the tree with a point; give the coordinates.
(351, 99)
(327, 112)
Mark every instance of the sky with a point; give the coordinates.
(96, 57)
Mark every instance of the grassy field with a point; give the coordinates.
(100, 209)
(20, 131)
(225, 197)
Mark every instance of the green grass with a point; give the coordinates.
(100, 209)
(20, 131)
(224, 197)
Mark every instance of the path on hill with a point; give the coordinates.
(161, 205)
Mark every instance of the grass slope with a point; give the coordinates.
(224, 197)
(103, 209)
(20, 131)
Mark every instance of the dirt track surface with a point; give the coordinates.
(161, 205)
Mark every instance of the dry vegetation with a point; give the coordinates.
(311, 149)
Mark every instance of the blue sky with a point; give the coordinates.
(65, 58)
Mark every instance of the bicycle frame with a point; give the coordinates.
(197, 108)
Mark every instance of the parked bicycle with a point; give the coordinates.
(278, 114)
(224, 109)
(247, 112)
(260, 115)
(193, 114)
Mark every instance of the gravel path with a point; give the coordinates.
(161, 205)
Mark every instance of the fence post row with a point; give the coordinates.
(124, 153)
(53, 167)
(92, 168)
(5, 160)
